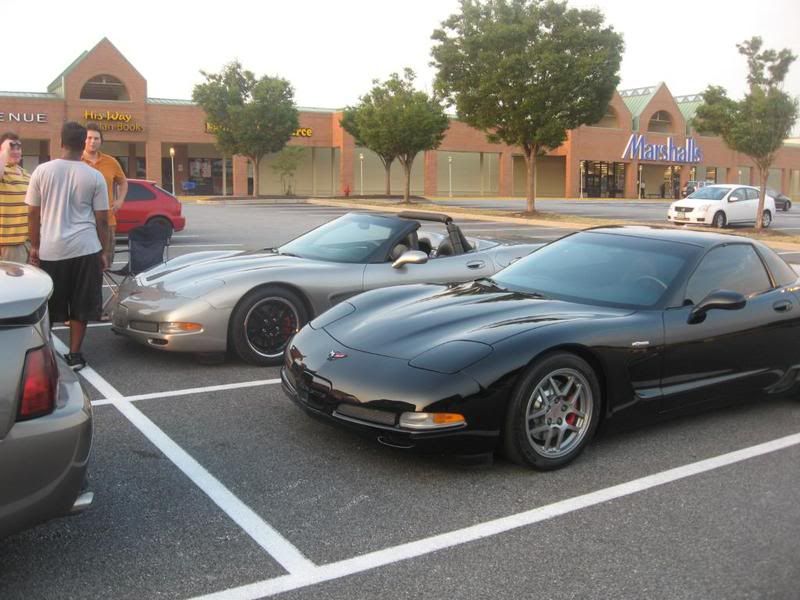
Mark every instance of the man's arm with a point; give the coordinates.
(122, 191)
(101, 223)
(34, 224)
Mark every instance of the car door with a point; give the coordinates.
(738, 209)
(752, 203)
(138, 204)
(442, 269)
(731, 354)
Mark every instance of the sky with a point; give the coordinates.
(332, 51)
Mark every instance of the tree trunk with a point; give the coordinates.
(388, 174)
(763, 174)
(530, 163)
(407, 187)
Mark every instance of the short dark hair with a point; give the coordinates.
(9, 135)
(73, 136)
(95, 127)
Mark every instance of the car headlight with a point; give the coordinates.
(703, 208)
(451, 357)
(339, 311)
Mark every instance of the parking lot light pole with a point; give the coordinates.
(172, 167)
(450, 174)
(361, 158)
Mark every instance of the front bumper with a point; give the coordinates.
(137, 314)
(43, 462)
(367, 393)
(688, 218)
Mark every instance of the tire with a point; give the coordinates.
(263, 323)
(165, 223)
(719, 221)
(787, 206)
(559, 396)
(766, 219)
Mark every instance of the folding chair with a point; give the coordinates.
(147, 247)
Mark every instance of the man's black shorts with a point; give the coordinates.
(77, 288)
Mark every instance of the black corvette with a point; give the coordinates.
(603, 324)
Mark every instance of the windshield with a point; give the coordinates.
(709, 193)
(353, 238)
(601, 268)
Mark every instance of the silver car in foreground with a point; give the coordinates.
(253, 302)
(45, 415)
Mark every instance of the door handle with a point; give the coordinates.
(783, 306)
(476, 264)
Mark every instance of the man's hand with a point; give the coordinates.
(33, 257)
(103, 261)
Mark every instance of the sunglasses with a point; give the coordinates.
(15, 145)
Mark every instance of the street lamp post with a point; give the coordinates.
(172, 166)
(581, 181)
(640, 182)
(450, 174)
(361, 159)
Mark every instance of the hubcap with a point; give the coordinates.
(558, 413)
(269, 324)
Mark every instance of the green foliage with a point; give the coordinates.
(527, 71)
(758, 124)
(396, 122)
(285, 164)
(248, 116)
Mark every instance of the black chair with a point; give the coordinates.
(147, 247)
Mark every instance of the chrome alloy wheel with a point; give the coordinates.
(269, 325)
(559, 413)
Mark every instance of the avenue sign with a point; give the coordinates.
(638, 149)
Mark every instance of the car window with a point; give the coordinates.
(751, 194)
(782, 273)
(709, 193)
(740, 194)
(136, 191)
(599, 268)
(735, 267)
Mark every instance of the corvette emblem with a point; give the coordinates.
(336, 355)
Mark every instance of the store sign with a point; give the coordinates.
(639, 149)
(113, 120)
(299, 132)
(23, 117)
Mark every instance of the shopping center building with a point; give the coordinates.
(644, 146)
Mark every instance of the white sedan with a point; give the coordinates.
(721, 204)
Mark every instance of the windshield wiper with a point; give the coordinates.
(489, 282)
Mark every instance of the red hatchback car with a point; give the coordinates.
(146, 202)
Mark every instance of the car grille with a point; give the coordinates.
(367, 414)
(683, 209)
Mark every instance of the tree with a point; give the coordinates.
(396, 121)
(249, 116)
(527, 71)
(285, 164)
(758, 124)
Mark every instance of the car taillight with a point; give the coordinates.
(39, 382)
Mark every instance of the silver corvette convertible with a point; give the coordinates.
(253, 302)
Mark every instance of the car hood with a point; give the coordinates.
(24, 289)
(190, 269)
(693, 203)
(408, 320)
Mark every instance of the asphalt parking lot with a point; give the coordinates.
(209, 483)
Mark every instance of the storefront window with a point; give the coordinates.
(603, 179)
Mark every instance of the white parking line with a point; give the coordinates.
(278, 547)
(443, 541)
(187, 391)
(64, 327)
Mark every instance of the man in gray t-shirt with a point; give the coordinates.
(67, 220)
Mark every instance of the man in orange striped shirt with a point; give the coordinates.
(13, 210)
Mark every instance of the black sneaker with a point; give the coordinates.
(75, 361)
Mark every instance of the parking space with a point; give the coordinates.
(210, 483)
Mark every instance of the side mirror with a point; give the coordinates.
(734, 199)
(718, 299)
(410, 257)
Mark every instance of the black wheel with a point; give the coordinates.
(787, 206)
(263, 323)
(719, 220)
(766, 219)
(163, 222)
(553, 412)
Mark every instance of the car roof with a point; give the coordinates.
(705, 239)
